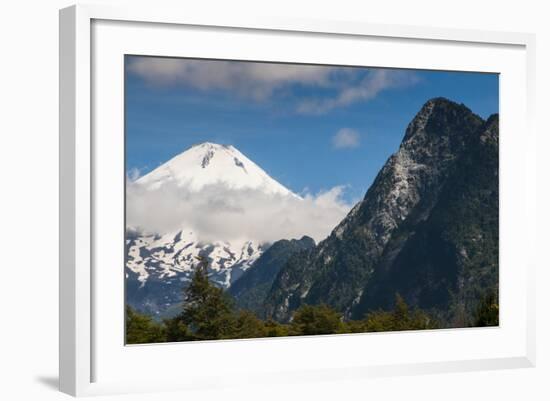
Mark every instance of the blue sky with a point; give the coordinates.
(310, 127)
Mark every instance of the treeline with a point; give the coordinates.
(208, 313)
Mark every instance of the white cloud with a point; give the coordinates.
(220, 213)
(346, 138)
(248, 79)
(261, 81)
(376, 81)
(133, 174)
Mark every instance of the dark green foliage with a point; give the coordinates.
(207, 310)
(176, 330)
(400, 318)
(247, 325)
(275, 329)
(316, 319)
(487, 311)
(141, 329)
(209, 314)
(194, 324)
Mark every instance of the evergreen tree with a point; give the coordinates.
(318, 319)
(247, 325)
(207, 310)
(275, 329)
(355, 326)
(400, 318)
(175, 330)
(141, 329)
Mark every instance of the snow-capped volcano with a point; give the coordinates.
(208, 164)
(159, 264)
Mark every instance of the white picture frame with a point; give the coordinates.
(91, 40)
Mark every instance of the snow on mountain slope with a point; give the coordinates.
(209, 163)
(174, 255)
(158, 265)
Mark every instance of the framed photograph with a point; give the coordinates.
(294, 200)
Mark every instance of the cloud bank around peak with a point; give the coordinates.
(310, 89)
(219, 213)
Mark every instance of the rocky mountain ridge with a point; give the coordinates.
(342, 270)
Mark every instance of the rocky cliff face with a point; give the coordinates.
(346, 270)
(444, 257)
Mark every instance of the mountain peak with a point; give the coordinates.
(440, 100)
(209, 163)
(211, 145)
(439, 117)
(443, 103)
(434, 163)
